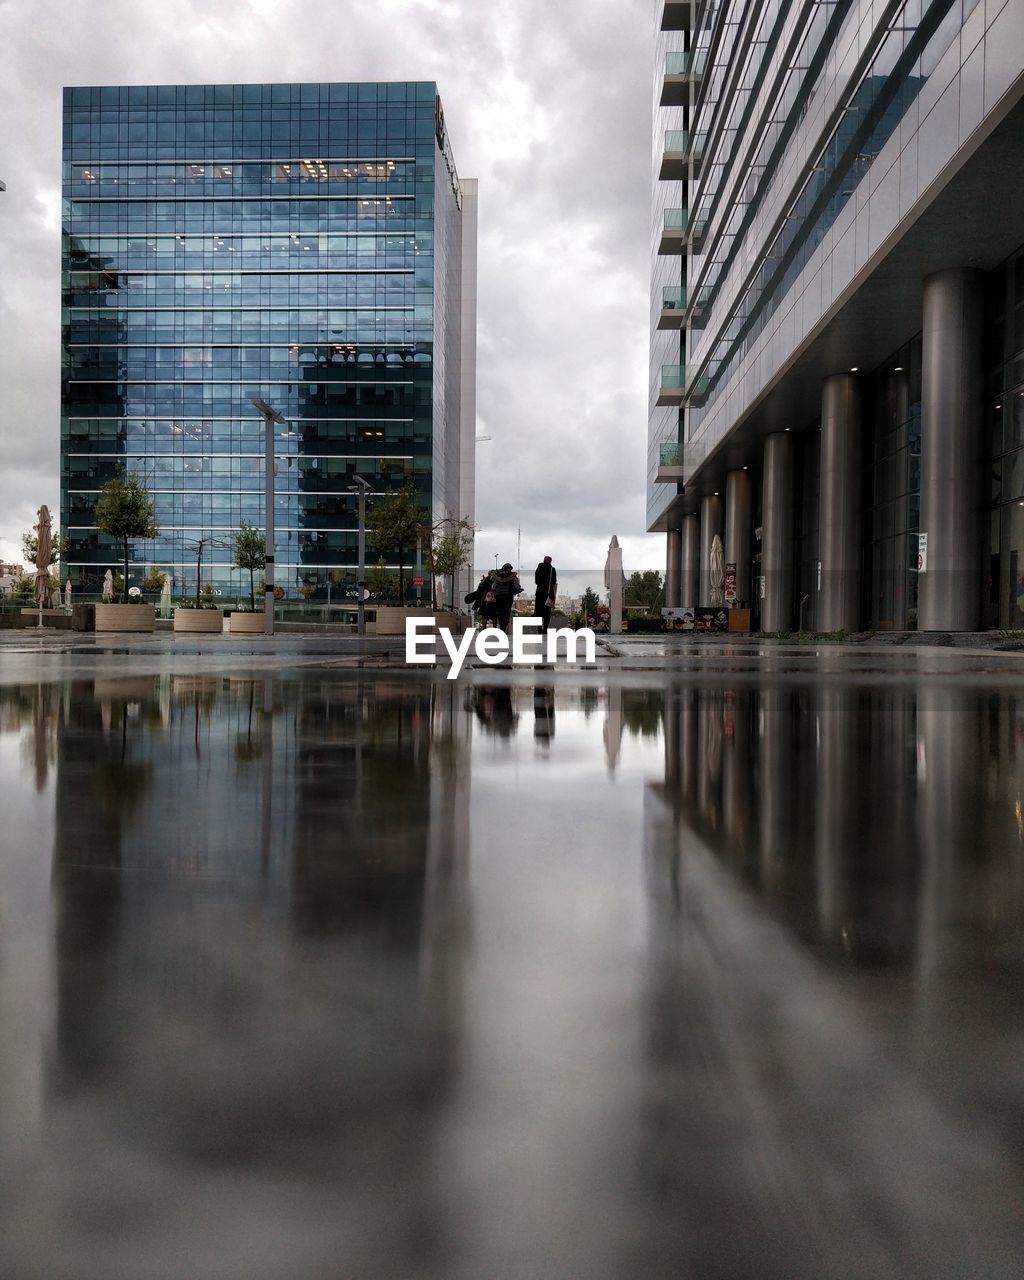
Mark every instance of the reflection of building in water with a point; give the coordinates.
(267, 975)
(855, 813)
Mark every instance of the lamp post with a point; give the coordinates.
(271, 418)
(361, 487)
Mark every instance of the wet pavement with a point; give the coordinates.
(314, 967)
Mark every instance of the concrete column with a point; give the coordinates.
(839, 519)
(737, 530)
(673, 561)
(951, 444)
(710, 524)
(689, 584)
(776, 551)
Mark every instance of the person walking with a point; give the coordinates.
(482, 601)
(505, 586)
(546, 579)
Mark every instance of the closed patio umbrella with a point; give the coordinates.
(44, 546)
(717, 573)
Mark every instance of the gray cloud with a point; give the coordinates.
(549, 105)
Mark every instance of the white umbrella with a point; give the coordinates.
(716, 576)
(165, 597)
(44, 546)
(67, 594)
(108, 585)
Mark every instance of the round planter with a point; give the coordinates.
(199, 621)
(391, 619)
(245, 624)
(125, 617)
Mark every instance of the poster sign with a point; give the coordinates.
(695, 619)
(730, 584)
(760, 587)
(819, 575)
(417, 582)
(922, 552)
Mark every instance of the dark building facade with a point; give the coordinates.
(308, 244)
(837, 309)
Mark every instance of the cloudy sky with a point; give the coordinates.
(548, 104)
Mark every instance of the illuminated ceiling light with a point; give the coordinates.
(898, 369)
(854, 369)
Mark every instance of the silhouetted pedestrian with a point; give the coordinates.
(546, 579)
(505, 586)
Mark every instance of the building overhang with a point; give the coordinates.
(972, 216)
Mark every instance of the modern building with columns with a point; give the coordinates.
(837, 309)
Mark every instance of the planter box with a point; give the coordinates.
(199, 621)
(125, 617)
(739, 619)
(246, 624)
(391, 619)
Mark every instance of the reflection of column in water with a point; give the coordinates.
(777, 766)
(709, 763)
(836, 796)
(949, 821)
(613, 726)
(737, 776)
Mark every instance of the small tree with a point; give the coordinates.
(451, 542)
(644, 588)
(59, 546)
(198, 546)
(125, 511)
(379, 581)
(591, 604)
(24, 590)
(250, 553)
(394, 522)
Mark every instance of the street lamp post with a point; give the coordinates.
(361, 487)
(271, 418)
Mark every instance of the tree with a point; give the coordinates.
(250, 553)
(395, 522)
(591, 603)
(646, 589)
(125, 511)
(24, 590)
(59, 546)
(379, 582)
(451, 542)
(198, 546)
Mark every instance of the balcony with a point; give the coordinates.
(673, 307)
(681, 70)
(698, 230)
(673, 156)
(672, 389)
(670, 464)
(677, 15)
(696, 153)
(673, 232)
(698, 306)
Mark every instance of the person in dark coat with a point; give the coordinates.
(546, 579)
(505, 586)
(486, 610)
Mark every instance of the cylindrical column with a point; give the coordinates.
(951, 433)
(690, 563)
(710, 524)
(776, 552)
(673, 562)
(839, 505)
(737, 530)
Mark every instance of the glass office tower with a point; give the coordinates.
(837, 320)
(308, 244)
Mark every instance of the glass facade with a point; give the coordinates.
(298, 243)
